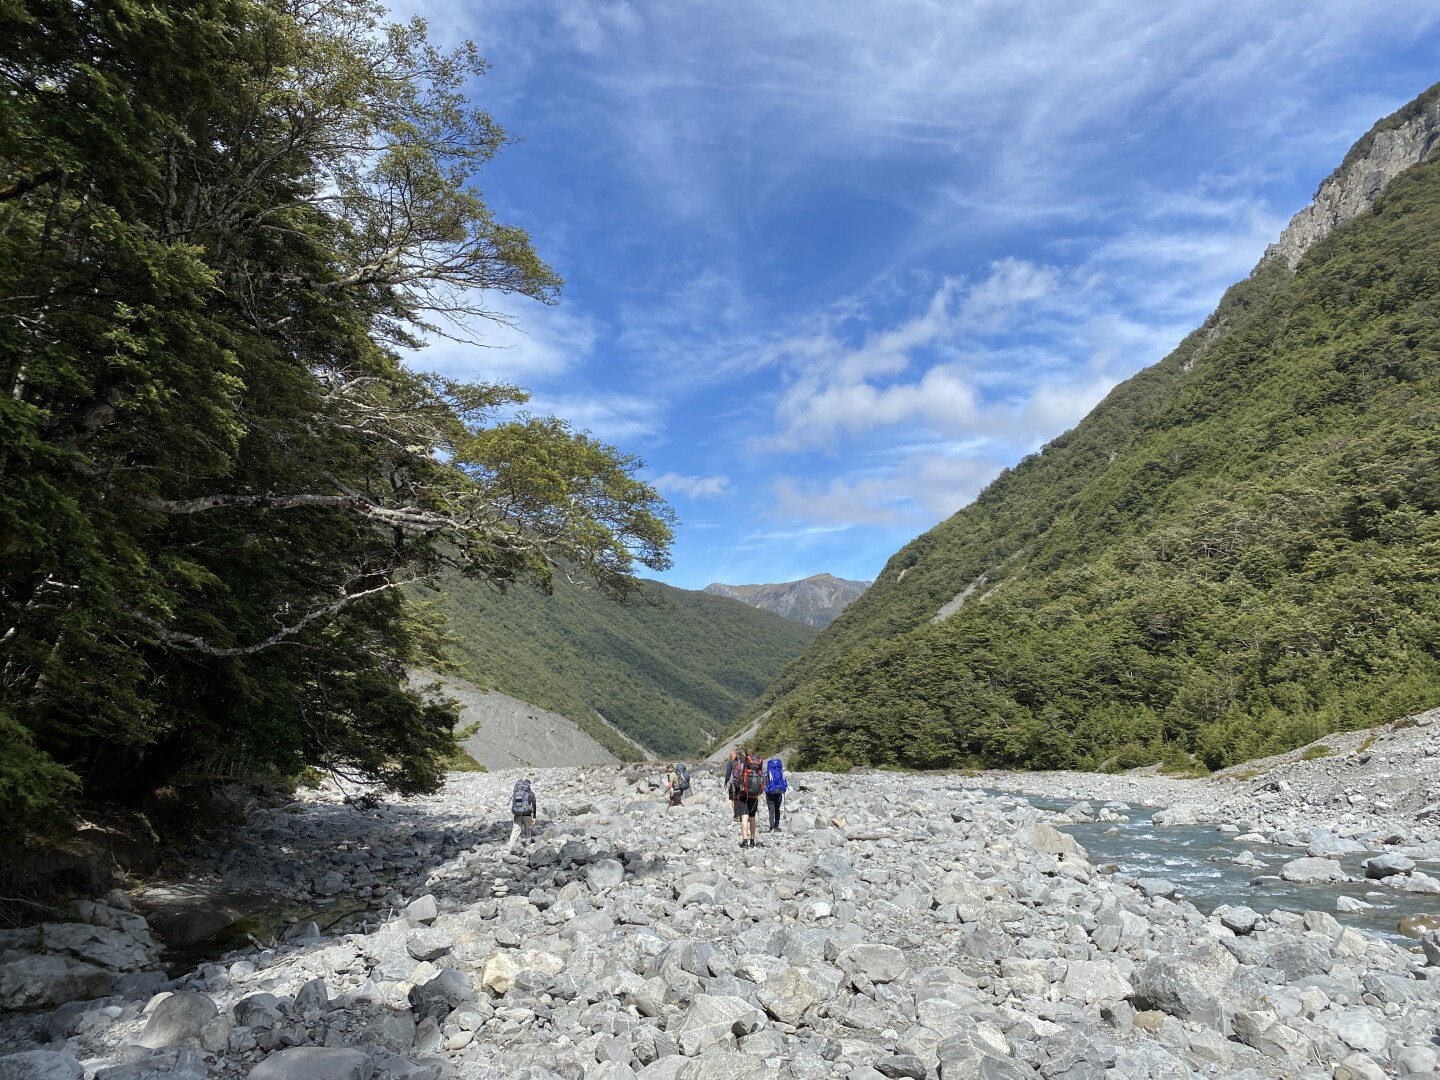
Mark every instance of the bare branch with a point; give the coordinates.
(178, 639)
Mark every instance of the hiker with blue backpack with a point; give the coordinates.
(522, 807)
(775, 787)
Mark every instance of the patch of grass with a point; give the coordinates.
(461, 761)
(1316, 752)
(1369, 742)
(1183, 766)
(1250, 774)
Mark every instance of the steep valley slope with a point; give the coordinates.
(668, 672)
(1231, 555)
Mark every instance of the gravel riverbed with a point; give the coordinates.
(897, 926)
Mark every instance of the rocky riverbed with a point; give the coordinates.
(897, 926)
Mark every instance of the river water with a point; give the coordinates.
(1199, 860)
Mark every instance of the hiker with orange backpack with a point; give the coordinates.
(747, 783)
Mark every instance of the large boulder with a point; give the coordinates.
(877, 963)
(101, 945)
(40, 1065)
(37, 982)
(313, 1063)
(715, 1021)
(1048, 840)
(178, 1019)
(1190, 986)
(1313, 871)
(1388, 865)
(1091, 981)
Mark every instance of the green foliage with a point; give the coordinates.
(670, 670)
(1314, 753)
(219, 223)
(1232, 555)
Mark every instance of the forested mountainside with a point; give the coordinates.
(1234, 553)
(817, 599)
(670, 673)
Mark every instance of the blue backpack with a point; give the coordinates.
(775, 777)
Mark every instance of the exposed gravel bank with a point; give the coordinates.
(892, 929)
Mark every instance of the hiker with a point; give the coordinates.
(775, 787)
(677, 783)
(522, 806)
(746, 782)
(728, 782)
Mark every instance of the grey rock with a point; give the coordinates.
(100, 945)
(1312, 871)
(1388, 865)
(877, 963)
(833, 865)
(716, 1021)
(312, 1063)
(1415, 1060)
(1152, 886)
(258, 1011)
(1091, 981)
(604, 874)
(428, 944)
(1325, 844)
(1350, 191)
(311, 995)
(1300, 959)
(40, 1065)
(1357, 1028)
(1266, 1033)
(1191, 986)
(1238, 918)
(1359, 1067)
(32, 982)
(422, 911)
(1171, 816)
(897, 1066)
(1430, 944)
(178, 1019)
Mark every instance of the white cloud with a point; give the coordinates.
(615, 417)
(535, 343)
(916, 492)
(694, 487)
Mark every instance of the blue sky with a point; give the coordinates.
(831, 266)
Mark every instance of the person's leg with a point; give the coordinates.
(516, 830)
(772, 804)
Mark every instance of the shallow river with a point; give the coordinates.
(1197, 858)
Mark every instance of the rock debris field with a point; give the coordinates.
(897, 926)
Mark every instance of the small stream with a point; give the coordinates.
(1198, 859)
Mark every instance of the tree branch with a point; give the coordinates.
(178, 639)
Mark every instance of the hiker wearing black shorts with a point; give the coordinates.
(747, 782)
(775, 787)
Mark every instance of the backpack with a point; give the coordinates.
(683, 775)
(522, 799)
(751, 782)
(775, 781)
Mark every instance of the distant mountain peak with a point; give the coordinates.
(815, 600)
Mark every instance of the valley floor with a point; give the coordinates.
(897, 926)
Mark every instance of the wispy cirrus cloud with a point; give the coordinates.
(693, 487)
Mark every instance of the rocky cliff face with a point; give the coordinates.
(1399, 141)
(816, 600)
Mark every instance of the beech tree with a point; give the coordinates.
(221, 225)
